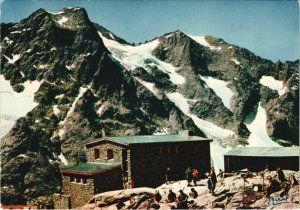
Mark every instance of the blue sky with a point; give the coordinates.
(270, 29)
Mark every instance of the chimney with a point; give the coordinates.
(103, 132)
(186, 133)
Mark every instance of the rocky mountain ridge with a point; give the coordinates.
(90, 83)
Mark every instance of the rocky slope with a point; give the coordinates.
(77, 80)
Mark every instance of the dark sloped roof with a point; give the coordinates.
(264, 151)
(90, 168)
(156, 139)
(144, 139)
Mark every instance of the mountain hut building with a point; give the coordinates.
(114, 162)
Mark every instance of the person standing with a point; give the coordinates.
(220, 173)
(188, 175)
(280, 175)
(168, 175)
(195, 176)
(213, 180)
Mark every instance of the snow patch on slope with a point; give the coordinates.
(202, 40)
(256, 123)
(220, 88)
(56, 109)
(63, 159)
(13, 59)
(273, 84)
(132, 57)
(210, 129)
(62, 123)
(149, 85)
(235, 61)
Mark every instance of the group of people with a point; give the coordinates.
(182, 199)
(192, 175)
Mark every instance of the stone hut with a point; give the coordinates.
(260, 158)
(144, 159)
(82, 182)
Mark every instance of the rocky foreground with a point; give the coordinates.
(228, 194)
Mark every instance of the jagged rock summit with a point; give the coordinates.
(77, 80)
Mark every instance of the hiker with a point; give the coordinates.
(193, 194)
(157, 196)
(273, 187)
(171, 197)
(195, 176)
(168, 175)
(220, 174)
(188, 175)
(280, 175)
(182, 200)
(154, 206)
(132, 201)
(140, 200)
(120, 204)
(213, 180)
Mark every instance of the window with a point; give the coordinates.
(83, 181)
(169, 150)
(161, 150)
(176, 150)
(78, 180)
(96, 153)
(110, 154)
(71, 179)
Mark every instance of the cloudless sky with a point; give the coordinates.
(270, 29)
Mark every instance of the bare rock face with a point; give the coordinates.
(25, 166)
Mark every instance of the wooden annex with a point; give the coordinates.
(260, 158)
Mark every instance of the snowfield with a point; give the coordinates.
(202, 40)
(15, 105)
(258, 128)
(273, 84)
(220, 88)
(62, 20)
(132, 57)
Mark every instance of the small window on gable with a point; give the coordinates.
(96, 153)
(110, 154)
